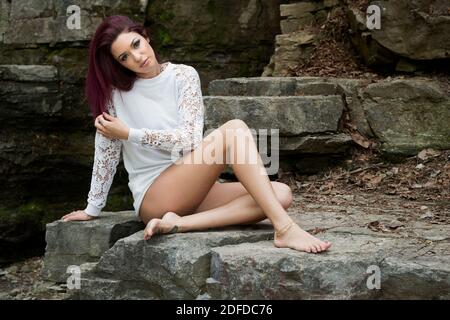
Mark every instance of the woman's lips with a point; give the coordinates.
(145, 63)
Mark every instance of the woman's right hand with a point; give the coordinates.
(79, 215)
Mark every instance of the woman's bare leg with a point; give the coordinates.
(252, 176)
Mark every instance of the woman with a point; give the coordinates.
(172, 194)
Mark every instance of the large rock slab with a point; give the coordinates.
(260, 271)
(78, 242)
(408, 115)
(164, 267)
(242, 262)
(291, 115)
(411, 34)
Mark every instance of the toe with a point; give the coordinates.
(318, 248)
(313, 249)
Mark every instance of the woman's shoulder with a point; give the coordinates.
(182, 69)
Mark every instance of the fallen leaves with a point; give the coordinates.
(381, 226)
(426, 154)
(367, 179)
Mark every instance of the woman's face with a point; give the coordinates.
(132, 50)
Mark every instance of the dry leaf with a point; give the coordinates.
(425, 154)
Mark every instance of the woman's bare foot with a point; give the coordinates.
(168, 224)
(298, 239)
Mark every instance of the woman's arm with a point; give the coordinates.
(189, 131)
(106, 159)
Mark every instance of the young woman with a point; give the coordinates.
(130, 91)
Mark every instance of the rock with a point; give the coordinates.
(430, 20)
(291, 115)
(204, 296)
(13, 269)
(30, 73)
(256, 86)
(47, 22)
(349, 89)
(75, 243)
(321, 144)
(242, 263)
(408, 115)
(57, 288)
(393, 45)
(220, 45)
(260, 271)
(167, 267)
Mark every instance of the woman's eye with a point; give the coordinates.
(136, 44)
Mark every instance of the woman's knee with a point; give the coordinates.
(284, 194)
(236, 123)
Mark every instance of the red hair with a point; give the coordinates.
(104, 72)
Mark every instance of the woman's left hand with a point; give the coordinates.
(111, 127)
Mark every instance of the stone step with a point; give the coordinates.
(242, 262)
(260, 271)
(164, 267)
(306, 124)
(290, 115)
(275, 86)
(75, 243)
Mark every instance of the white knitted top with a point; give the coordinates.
(165, 116)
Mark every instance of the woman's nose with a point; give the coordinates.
(138, 57)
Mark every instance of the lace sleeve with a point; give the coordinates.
(189, 132)
(106, 159)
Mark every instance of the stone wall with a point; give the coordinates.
(413, 35)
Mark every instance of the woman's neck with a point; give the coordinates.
(152, 74)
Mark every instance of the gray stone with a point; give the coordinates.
(408, 115)
(242, 263)
(299, 9)
(291, 115)
(46, 21)
(416, 30)
(320, 144)
(26, 9)
(430, 21)
(291, 24)
(238, 43)
(166, 267)
(255, 86)
(5, 8)
(260, 271)
(293, 48)
(29, 73)
(281, 86)
(75, 243)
